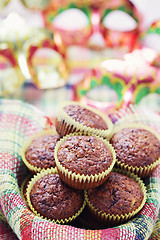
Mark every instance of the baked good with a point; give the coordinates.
(84, 161)
(137, 148)
(75, 117)
(118, 199)
(38, 151)
(49, 197)
(85, 116)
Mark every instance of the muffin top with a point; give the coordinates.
(118, 195)
(53, 199)
(85, 155)
(86, 117)
(136, 147)
(40, 153)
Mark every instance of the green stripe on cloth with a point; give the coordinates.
(156, 232)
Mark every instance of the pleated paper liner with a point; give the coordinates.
(27, 143)
(30, 185)
(112, 219)
(66, 124)
(142, 171)
(82, 181)
(23, 187)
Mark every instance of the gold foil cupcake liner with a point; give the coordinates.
(68, 125)
(24, 187)
(81, 181)
(27, 143)
(30, 185)
(142, 171)
(118, 219)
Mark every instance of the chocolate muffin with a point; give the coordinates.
(38, 151)
(136, 148)
(85, 116)
(119, 195)
(75, 117)
(49, 196)
(84, 161)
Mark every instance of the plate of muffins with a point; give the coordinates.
(88, 176)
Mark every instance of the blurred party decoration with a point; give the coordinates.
(94, 31)
(36, 4)
(15, 30)
(63, 22)
(147, 75)
(144, 90)
(154, 28)
(55, 5)
(3, 3)
(138, 73)
(156, 61)
(151, 102)
(133, 67)
(47, 58)
(120, 82)
(47, 61)
(90, 3)
(11, 76)
(151, 38)
(31, 4)
(121, 24)
(101, 90)
(36, 55)
(96, 19)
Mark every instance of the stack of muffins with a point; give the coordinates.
(73, 167)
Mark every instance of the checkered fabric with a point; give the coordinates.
(19, 120)
(46, 100)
